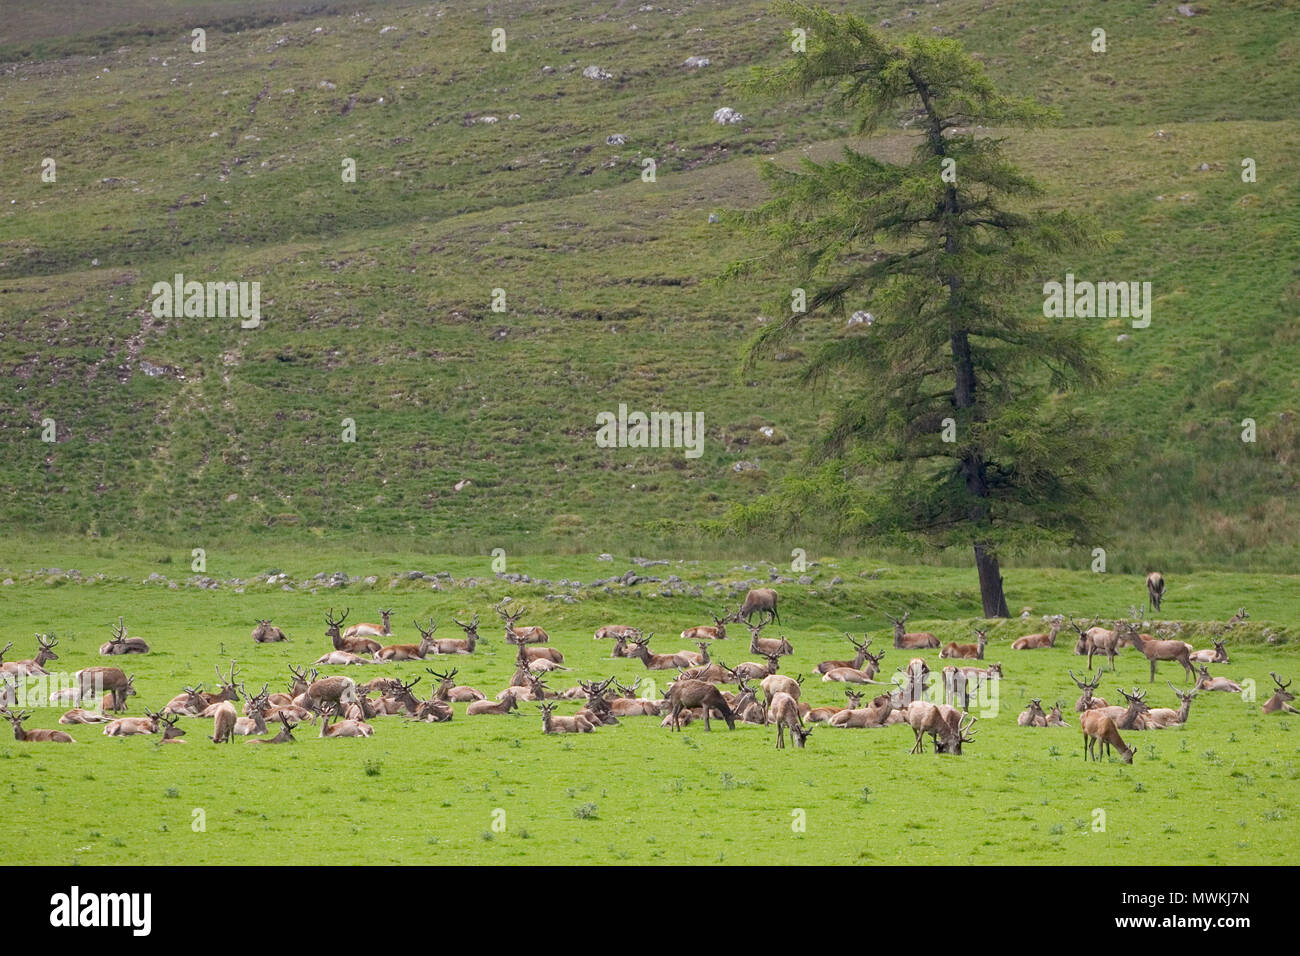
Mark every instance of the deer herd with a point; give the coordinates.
(696, 690)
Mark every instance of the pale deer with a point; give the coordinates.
(819, 715)
(774, 684)
(121, 644)
(1219, 654)
(1033, 715)
(615, 631)
(528, 652)
(630, 705)
(463, 645)
(265, 633)
(335, 691)
(875, 714)
(912, 640)
(188, 703)
(9, 691)
(255, 708)
(859, 657)
(1087, 700)
(514, 634)
(1158, 718)
(133, 726)
(1205, 682)
(697, 658)
(342, 659)
(1157, 650)
(759, 601)
(968, 651)
(16, 718)
(655, 662)
(782, 711)
(767, 645)
(1155, 589)
(927, 718)
(79, 716)
(410, 652)
(962, 682)
(507, 703)
(1054, 718)
(551, 724)
(1098, 728)
(704, 632)
(696, 693)
(370, 630)
(1280, 702)
(751, 671)
(35, 667)
(224, 719)
(1035, 641)
(358, 644)
(958, 730)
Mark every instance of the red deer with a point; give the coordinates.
(358, 644)
(78, 716)
(629, 705)
(1086, 700)
(1034, 641)
(958, 731)
(342, 659)
(9, 692)
(703, 632)
(264, 633)
(656, 662)
(1206, 682)
(106, 680)
(1280, 702)
(551, 724)
(964, 681)
(531, 634)
(926, 718)
(774, 684)
(552, 654)
(1033, 715)
(1157, 650)
(912, 640)
(229, 690)
(695, 693)
(449, 690)
(782, 711)
(16, 718)
(1158, 718)
(758, 601)
(767, 645)
(820, 715)
(874, 714)
(133, 726)
(189, 703)
(463, 645)
(285, 736)
(410, 652)
(1130, 717)
(342, 728)
(255, 708)
(1054, 718)
(616, 631)
(697, 658)
(35, 667)
(967, 651)
(1218, 655)
(859, 658)
(224, 719)
(121, 644)
(504, 706)
(335, 691)
(620, 646)
(1155, 589)
(751, 671)
(369, 630)
(1100, 729)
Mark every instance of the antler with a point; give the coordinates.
(1278, 681)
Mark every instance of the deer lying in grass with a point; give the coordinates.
(767, 645)
(16, 718)
(821, 715)
(9, 691)
(620, 646)
(1128, 717)
(450, 691)
(79, 716)
(410, 652)
(1280, 702)
(910, 640)
(968, 651)
(746, 707)
(861, 670)
(608, 631)
(531, 634)
(1087, 700)
(695, 693)
(341, 659)
(369, 630)
(1035, 641)
(1100, 729)
(782, 711)
(1219, 654)
(285, 736)
(705, 632)
(528, 652)
(655, 662)
(1156, 650)
(466, 644)
(133, 726)
(859, 657)
(342, 728)
(188, 703)
(875, 714)
(507, 703)
(224, 719)
(229, 690)
(264, 633)
(357, 644)
(121, 644)
(1054, 718)
(551, 724)
(1205, 682)
(751, 671)
(255, 708)
(1033, 715)
(35, 667)
(697, 658)
(628, 704)
(1158, 718)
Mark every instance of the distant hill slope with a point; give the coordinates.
(480, 171)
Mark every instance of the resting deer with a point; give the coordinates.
(696, 693)
(1100, 729)
(655, 662)
(697, 658)
(767, 645)
(1206, 682)
(35, 667)
(531, 634)
(133, 726)
(859, 658)
(1157, 650)
(449, 690)
(782, 711)
(1219, 655)
(1087, 700)
(819, 715)
(759, 601)
(963, 681)
(528, 652)
(620, 646)
(1280, 702)
(501, 707)
(1033, 715)
(410, 652)
(577, 724)
(357, 644)
(229, 690)
(1035, 641)
(370, 630)
(875, 714)
(1158, 718)
(79, 716)
(342, 659)
(968, 651)
(121, 644)
(615, 631)
(285, 736)
(913, 640)
(1129, 717)
(255, 708)
(1155, 589)
(703, 632)
(1054, 718)
(462, 645)
(264, 633)
(16, 718)
(342, 728)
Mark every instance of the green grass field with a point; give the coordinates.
(1220, 790)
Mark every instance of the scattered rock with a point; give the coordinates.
(727, 116)
(1186, 10)
(696, 62)
(615, 139)
(860, 318)
(714, 217)
(596, 73)
(462, 484)
(744, 466)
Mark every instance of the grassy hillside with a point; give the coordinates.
(376, 295)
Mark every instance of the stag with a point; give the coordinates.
(410, 652)
(16, 718)
(1035, 641)
(357, 644)
(1219, 655)
(448, 690)
(370, 630)
(1033, 715)
(767, 645)
(1086, 700)
(913, 640)
(108, 681)
(1100, 729)
(615, 631)
(35, 667)
(461, 645)
(655, 662)
(1157, 650)
(285, 736)
(1280, 702)
(121, 644)
(265, 633)
(874, 714)
(1206, 682)
(507, 703)
(1158, 718)
(531, 634)
(1155, 589)
(759, 601)
(577, 724)
(704, 632)
(695, 693)
(784, 712)
(348, 727)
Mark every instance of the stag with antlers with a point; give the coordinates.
(121, 644)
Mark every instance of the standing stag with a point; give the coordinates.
(696, 693)
(108, 681)
(121, 644)
(1157, 650)
(1280, 702)
(1100, 729)
(758, 601)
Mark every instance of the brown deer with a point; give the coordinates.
(1205, 682)
(874, 714)
(1087, 700)
(462, 645)
(224, 719)
(577, 724)
(370, 630)
(133, 726)
(608, 631)
(16, 718)
(1054, 718)
(501, 707)
(695, 693)
(967, 651)
(964, 681)
(1158, 718)
(1219, 655)
(255, 709)
(342, 659)
(357, 644)
(859, 658)
(774, 684)
(767, 645)
(335, 691)
(759, 601)
(751, 671)
(121, 644)
(958, 731)
(1280, 702)
(265, 633)
(655, 662)
(820, 715)
(531, 634)
(1035, 641)
(35, 667)
(1157, 650)
(620, 646)
(188, 703)
(342, 728)
(913, 640)
(529, 653)
(703, 632)
(410, 652)
(1097, 640)
(782, 711)
(630, 705)
(1155, 589)
(1131, 716)
(106, 680)
(1100, 729)
(229, 690)
(927, 718)
(449, 690)
(1033, 715)
(285, 736)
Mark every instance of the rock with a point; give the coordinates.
(860, 318)
(326, 85)
(596, 73)
(744, 466)
(714, 217)
(548, 69)
(727, 116)
(387, 29)
(605, 557)
(462, 484)
(414, 575)
(696, 62)
(1186, 10)
(1123, 338)
(615, 139)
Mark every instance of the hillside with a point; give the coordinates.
(376, 294)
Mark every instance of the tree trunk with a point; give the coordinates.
(995, 602)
